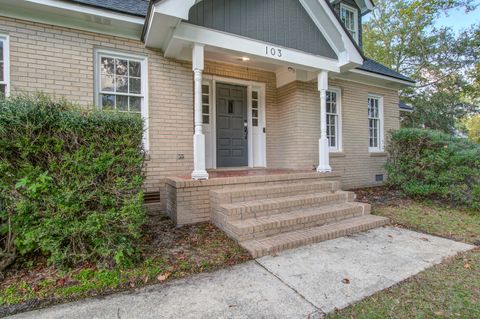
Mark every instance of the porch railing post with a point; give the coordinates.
(323, 147)
(199, 171)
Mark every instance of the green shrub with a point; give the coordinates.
(71, 181)
(426, 163)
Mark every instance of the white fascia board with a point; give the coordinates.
(195, 34)
(90, 11)
(383, 77)
(351, 54)
(174, 8)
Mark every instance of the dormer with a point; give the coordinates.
(351, 13)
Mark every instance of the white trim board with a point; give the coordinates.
(6, 63)
(261, 87)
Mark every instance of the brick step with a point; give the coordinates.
(270, 245)
(235, 195)
(255, 228)
(266, 207)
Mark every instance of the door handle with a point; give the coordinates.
(245, 129)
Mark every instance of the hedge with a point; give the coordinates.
(71, 181)
(427, 163)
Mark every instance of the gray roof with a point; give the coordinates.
(375, 67)
(405, 107)
(135, 7)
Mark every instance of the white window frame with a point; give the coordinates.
(6, 63)
(144, 78)
(380, 134)
(344, 7)
(338, 147)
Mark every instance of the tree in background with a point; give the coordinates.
(402, 35)
(472, 125)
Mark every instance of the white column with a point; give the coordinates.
(323, 148)
(199, 171)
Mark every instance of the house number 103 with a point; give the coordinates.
(273, 52)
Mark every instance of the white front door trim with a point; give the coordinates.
(251, 86)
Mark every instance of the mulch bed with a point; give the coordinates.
(183, 251)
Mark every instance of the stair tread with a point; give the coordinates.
(295, 184)
(283, 217)
(277, 242)
(251, 203)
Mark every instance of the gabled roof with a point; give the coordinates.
(141, 8)
(372, 66)
(135, 7)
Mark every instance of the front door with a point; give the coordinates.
(232, 129)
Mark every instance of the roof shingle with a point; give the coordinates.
(370, 65)
(135, 7)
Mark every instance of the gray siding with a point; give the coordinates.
(281, 22)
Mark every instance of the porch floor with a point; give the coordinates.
(245, 172)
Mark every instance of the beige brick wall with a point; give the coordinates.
(59, 61)
(299, 112)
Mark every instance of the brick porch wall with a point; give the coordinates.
(59, 61)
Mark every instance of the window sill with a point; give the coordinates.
(337, 154)
(378, 154)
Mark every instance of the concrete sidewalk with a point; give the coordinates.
(300, 283)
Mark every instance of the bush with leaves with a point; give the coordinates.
(427, 163)
(71, 182)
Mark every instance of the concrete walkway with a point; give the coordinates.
(300, 283)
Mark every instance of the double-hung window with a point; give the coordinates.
(121, 84)
(4, 66)
(349, 17)
(375, 123)
(334, 120)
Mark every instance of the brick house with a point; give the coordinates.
(256, 111)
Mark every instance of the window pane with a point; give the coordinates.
(122, 84)
(255, 95)
(135, 104)
(122, 68)
(108, 102)
(205, 99)
(205, 89)
(2, 90)
(107, 83)
(135, 86)
(206, 119)
(1, 50)
(205, 109)
(107, 66)
(255, 104)
(122, 103)
(255, 113)
(1, 71)
(135, 69)
(255, 122)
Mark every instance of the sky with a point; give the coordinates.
(458, 19)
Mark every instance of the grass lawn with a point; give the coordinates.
(448, 290)
(169, 253)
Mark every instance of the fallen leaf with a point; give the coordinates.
(424, 238)
(467, 266)
(164, 276)
(439, 313)
(346, 281)
(390, 236)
